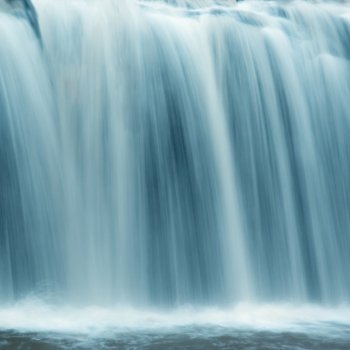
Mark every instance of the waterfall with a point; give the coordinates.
(163, 153)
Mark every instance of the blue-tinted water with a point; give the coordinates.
(161, 155)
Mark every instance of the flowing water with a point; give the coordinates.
(170, 164)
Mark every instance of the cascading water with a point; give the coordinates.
(175, 153)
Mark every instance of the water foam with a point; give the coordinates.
(37, 316)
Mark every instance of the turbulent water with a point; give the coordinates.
(169, 153)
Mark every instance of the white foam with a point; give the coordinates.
(36, 316)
